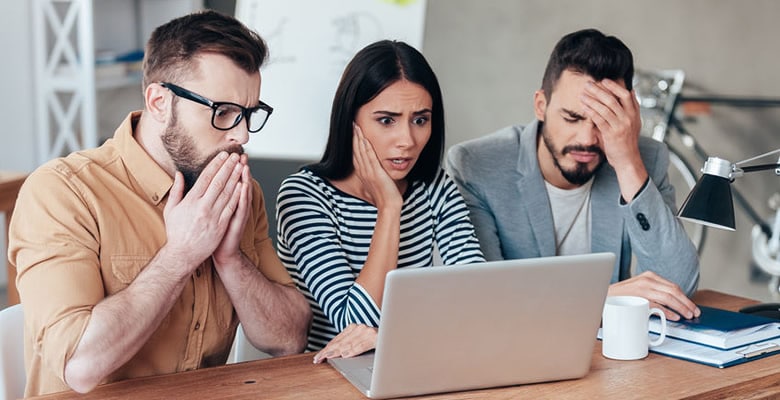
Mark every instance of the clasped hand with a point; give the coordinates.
(209, 220)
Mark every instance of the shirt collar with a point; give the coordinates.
(152, 179)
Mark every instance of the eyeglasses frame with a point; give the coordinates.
(245, 112)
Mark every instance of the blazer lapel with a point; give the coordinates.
(531, 188)
(606, 222)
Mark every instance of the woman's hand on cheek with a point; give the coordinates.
(377, 184)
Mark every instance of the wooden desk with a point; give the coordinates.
(10, 183)
(295, 377)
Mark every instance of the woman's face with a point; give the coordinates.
(397, 123)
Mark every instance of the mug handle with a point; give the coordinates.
(662, 335)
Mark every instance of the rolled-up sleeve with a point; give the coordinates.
(54, 244)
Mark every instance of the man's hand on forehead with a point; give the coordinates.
(609, 87)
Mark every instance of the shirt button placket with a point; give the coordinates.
(199, 311)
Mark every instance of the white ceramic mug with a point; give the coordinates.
(625, 325)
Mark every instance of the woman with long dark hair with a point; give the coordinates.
(377, 200)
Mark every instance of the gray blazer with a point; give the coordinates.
(500, 180)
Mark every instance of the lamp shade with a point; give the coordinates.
(709, 203)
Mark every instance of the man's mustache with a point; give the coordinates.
(581, 148)
(238, 149)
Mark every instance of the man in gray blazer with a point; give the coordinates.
(581, 179)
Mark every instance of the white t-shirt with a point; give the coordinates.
(571, 218)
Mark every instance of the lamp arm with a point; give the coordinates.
(738, 171)
(719, 168)
(775, 151)
(760, 167)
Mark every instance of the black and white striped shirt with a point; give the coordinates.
(324, 236)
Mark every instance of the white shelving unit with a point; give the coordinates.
(66, 35)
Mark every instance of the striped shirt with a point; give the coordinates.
(324, 236)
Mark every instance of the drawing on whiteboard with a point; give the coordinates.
(310, 43)
(276, 39)
(352, 32)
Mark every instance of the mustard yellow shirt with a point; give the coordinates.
(84, 226)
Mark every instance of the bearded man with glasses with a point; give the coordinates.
(141, 257)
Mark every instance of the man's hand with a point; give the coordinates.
(615, 112)
(660, 292)
(354, 340)
(195, 224)
(229, 248)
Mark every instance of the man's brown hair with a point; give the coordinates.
(173, 45)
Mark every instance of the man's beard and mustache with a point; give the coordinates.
(181, 148)
(580, 174)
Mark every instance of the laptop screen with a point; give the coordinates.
(488, 324)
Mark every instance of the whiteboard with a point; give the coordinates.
(310, 42)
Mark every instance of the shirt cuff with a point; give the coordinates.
(362, 308)
(642, 189)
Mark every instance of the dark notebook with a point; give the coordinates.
(725, 320)
(721, 328)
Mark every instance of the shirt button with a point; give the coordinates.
(197, 326)
(197, 272)
(155, 198)
(643, 221)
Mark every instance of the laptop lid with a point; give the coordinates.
(483, 325)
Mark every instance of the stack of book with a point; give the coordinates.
(719, 338)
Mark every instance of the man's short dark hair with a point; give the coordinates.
(172, 46)
(589, 52)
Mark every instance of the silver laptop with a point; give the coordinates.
(447, 329)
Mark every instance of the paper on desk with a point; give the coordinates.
(711, 356)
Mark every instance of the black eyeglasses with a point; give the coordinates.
(226, 115)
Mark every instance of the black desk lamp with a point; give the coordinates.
(710, 203)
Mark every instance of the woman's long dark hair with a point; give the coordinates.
(373, 69)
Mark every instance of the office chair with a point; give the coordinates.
(12, 373)
(243, 350)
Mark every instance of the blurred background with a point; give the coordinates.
(489, 57)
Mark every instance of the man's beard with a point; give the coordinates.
(580, 174)
(181, 148)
